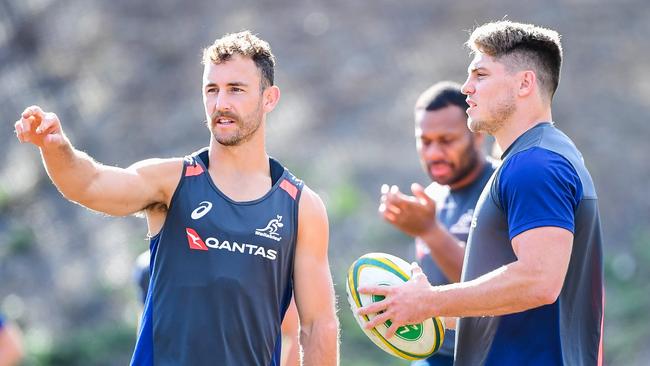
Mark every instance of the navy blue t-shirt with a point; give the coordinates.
(543, 182)
(535, 197)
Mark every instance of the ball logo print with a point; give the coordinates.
(412, 341)
(410, 332)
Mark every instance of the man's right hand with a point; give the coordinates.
(40, 128)
(414, 215)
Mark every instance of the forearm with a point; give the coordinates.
(508, 289)
(447, 252)
(71, 170)
(320, 343)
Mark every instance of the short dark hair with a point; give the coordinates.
(524, 46)
(245, 44)
(441, 95)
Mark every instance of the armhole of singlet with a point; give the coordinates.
(173, 199)
(296, 214)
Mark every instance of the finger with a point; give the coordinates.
(33, 110)
(384, 189)
(394, 189)
(390, 217)
(377, 320)
(27, 113)
(31, 118)
(375, 290)
(393, 209)
(27, 123)
(385, 209)
(373, 308)
(50, 120)
(418, 191)
(18, 129)
(392, 329)
(415, 268)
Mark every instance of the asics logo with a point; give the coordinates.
(204, 208)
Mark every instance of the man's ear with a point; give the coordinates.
(527, 83)
(271, 97)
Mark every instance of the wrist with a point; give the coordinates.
(61, 147)
(433, 234)
(433, 301)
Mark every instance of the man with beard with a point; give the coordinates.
(531, 290)
(439, 217)
(233, 233)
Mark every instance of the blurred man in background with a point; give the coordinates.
(439, 216)
(531, 290)
(11, 350)
(233, 233)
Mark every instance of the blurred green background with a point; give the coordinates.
(124, 77)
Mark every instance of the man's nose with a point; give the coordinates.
(467, 88)
(433, 151)
(222, 102)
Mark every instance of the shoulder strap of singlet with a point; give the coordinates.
(292, 185)
(194, 164)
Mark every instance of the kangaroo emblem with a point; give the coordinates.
(271, 229)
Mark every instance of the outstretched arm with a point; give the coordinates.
(314, 292)
(111, 190)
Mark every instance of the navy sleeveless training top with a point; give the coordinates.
(221, 273)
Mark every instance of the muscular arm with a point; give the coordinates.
(534, 279)
(314, 292)
(111, 190)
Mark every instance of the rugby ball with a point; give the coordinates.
(411, 342)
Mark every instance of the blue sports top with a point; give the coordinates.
(542, 182)
(221, 273)
(454, 210)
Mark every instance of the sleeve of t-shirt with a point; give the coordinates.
(537, 188)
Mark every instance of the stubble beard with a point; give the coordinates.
(501, 113)
(469, 161)
(467, 165)
(247, 127)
